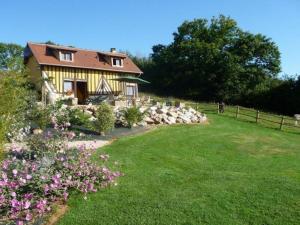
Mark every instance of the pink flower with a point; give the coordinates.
(66, 196)
(28, 217)
(104, 157)
(27, 204)
(19, 222)
(28, 177)
(15, 172)
(15, 203)
(13, 194)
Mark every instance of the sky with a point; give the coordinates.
(137, 25)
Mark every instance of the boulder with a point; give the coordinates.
(172, 114)
(172, 120)
(148, 120)
(162, 110)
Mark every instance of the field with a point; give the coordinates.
(226, 172)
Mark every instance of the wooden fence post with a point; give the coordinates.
(218, 108)
(237, 111)
(282, 122)
(257, 116)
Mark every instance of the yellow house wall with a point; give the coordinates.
(58, 74)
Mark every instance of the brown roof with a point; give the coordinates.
(87, 59)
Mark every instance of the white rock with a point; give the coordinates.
(173, 114)
(163, 110)
(172, 120)
(148, 120)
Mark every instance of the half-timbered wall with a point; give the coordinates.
(92, 77)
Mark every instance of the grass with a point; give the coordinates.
(228, 172)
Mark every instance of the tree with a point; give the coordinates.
(11, 57)
(213, 60)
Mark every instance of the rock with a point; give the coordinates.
(153, 108)
(191, 110)
(297, 116)
(185, 119)
(179, 104)
(203, 119)
(92, 118)
(37, 131)
(172, 114)
(148, 120)
(162, 110)
(172, 119)
(142, 123)
(87, 112)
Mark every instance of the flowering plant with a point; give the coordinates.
(45, 171)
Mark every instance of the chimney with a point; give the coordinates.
(113, 50)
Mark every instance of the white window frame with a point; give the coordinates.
(112, 62)
(61, 58)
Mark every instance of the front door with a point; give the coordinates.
(82, 93)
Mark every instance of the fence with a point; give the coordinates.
(252, 115)
(265, 119)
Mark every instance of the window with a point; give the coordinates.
(66, 56)
(68, 87)
(130, 90)
(117, 62)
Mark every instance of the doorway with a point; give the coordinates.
(81, 92)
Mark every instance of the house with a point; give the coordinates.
(60, 71)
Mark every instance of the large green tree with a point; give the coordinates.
(11, 57)
(213, 60)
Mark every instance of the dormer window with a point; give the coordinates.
(66, 56)
(117, 62)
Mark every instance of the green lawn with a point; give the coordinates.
(228, 172)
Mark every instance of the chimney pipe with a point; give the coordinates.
(113, 50)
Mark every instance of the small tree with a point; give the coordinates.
(105, 118)
(133, 115)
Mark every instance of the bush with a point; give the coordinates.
(44, 172)
(132, 116)
(16, 100)
(105, 118)
(79, 118)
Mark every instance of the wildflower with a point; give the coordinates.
(15, 172)
(28, 217)
(26, 205)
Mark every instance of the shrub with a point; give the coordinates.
(16, 100)
(132, 116)
(78, 117)
(105, 118)
(44, 172)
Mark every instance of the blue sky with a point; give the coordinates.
(138, 25)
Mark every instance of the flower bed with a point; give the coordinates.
(44, 171)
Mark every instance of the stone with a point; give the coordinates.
(297, 116)
(37, 131)
(92, 118)
(172, 120)
(172, 114)
(179, 104)
(120, 103)
(163, 110)
(185, 119)
(148, 120)
(88, 112)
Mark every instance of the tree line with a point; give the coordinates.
(215, 60)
